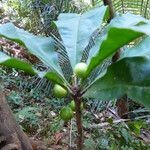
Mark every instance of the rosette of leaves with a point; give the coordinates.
(88, 38)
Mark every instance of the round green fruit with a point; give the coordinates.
(66, 113)
(59, 91)
(73, 106)
(80, 69)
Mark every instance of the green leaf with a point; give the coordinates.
(125, 134)
(8, 61)
(52, 76)
(42, 47)
(129, 76)
(122, 30)
(16, 63)
(136, 126)
(142, 49)
(76, 30)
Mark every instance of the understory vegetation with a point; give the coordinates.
(38, 115)
(76, 74)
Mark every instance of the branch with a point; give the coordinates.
(111, 9)
(107, 124)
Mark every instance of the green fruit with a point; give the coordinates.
(80, 69)
(66, 113)
(59, 91)
(73, 106)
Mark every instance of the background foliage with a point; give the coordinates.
(32, 106)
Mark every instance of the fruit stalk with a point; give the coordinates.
(79, 123)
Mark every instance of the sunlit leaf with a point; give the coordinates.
(76, 30)
(42, 47)
(122, 30)
(129, 76)
(8, 61)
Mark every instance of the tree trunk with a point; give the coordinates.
(93, 3)
(122, 107)
(11, 135)
(111, 9)
(122, 103)
(79, 123)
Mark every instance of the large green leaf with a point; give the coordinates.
(76, 30)
(142, 49)
(42, 47)
(122, 30)
(130, 75)
(8, 61)
(16, 63)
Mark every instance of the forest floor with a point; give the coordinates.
(44, 126)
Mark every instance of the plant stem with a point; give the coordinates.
(122, 103)
(111, 8)
(93, 3)
(79, 123)
(70, 135)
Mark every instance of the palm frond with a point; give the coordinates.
(63, 58)
(91, 43)
(97, 105)
(49, 11)
(140, 7)
(96, 72)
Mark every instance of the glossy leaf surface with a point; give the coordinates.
(76, 30)
(130, 75)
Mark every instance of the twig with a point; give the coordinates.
(107, 124)
(104, 124)
(70, 135)
(146, 141)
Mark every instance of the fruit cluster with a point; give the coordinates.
(66, 113)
